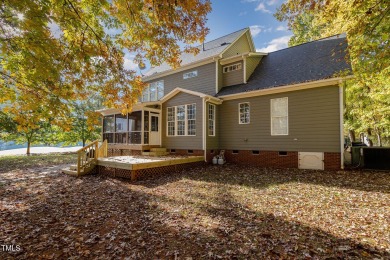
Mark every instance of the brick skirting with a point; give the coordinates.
(122, 152)
(144, 173)
(185, 152)
(264, 158)
(332, 161)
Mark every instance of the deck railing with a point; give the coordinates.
(88, 155)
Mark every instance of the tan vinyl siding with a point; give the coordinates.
(233, 77)
(183, 142)
(251, 64)
(220, 77)
(212, 142)
(204, 82)
(239, 47)
(313, 117)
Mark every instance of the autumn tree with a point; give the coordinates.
(55, 52)
(85, 121)
(24, 122)
(367, 26)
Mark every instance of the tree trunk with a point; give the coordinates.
(378, 136)
(352, 136)
(28, 147)
(83, 142)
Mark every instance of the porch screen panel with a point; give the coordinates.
(135, 127)
(109, 128)
(146, 127)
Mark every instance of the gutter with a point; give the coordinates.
(293, 87)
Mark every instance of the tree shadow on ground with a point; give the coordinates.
(259, 178)
(97, 217)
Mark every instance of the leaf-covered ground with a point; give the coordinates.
(208, 212)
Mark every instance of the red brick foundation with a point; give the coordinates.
(332, 161)
(186, 152)
(263, 159)
(122, 152)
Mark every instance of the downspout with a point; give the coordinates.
(341, 98)
(204, 127)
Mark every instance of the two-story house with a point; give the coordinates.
(282, 109)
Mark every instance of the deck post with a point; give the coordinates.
(133, 175)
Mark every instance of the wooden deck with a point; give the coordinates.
(138, 163)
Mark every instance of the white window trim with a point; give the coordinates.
(213, 119)
(229, 68)
(239, 118)
(190, 74)
(272, 130)
(185, 121)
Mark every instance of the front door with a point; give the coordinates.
(154, 129)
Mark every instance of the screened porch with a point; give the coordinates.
(136, 128)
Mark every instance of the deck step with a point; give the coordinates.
(158, 149)
(69, 172)
(154, 153)
(73, 167)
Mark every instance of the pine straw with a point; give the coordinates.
(209, 212)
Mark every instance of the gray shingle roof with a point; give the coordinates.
(212, 48)
(303, 63)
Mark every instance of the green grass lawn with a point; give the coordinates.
(213, 212)
(19, 162)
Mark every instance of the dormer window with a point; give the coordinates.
(233, 67)
(153, 92)
(190, 74)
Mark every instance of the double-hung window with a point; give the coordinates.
(279, 116)
(171, 121)
(244, 113)
(181, 120)
(211, 117)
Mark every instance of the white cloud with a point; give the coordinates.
(276, 44)
(281, 28)
(261, 7)
(129, 63)
(272, 2)
(256, 29)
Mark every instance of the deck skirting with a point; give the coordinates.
(136, 174)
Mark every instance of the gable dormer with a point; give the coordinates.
(238, 62)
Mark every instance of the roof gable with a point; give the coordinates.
(307, 62)
(211, 49)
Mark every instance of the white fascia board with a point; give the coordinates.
(108, 111)
(191, 92)
(181, 68)
(275, 90)
(257, 54)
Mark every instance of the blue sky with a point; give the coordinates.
(228, 16)
(268, 33)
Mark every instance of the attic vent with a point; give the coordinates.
(224, 43)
